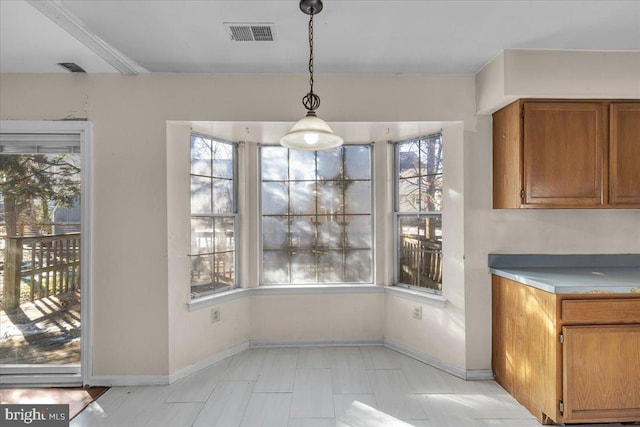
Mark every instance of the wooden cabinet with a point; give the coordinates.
(525, 355)
(624, 154)
(568, 358)
(566, 154)
(601, 373)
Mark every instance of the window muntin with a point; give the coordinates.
(418, 203)
(213, 215)
(316, 210)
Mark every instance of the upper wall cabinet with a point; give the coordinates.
(566, 154)
(624, 154)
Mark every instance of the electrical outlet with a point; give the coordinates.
(417, 312)
(215, 315)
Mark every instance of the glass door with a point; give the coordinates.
(40, 258)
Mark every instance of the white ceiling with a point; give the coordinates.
(357, 36)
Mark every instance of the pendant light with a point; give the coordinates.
(311, 132)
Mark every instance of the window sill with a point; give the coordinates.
(418, 296)
(233, 294)
(316, 289)
(222, 297)
(218, 298)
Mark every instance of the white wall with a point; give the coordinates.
(141, 324)
(531, 73)
(317, 318)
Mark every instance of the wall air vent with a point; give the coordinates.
(251, 31)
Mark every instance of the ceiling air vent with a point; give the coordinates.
(251, 31)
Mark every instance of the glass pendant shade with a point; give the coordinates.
(311, 133)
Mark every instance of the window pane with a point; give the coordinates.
(358, 197)
(431, 156)
(201, 272)
(302, 165)
(331, 266)
(224, 271)
(329, 164)
(201, 235)
(224, 234)
(409, 159)
(303, 267)
(222, 196)
(420, 251)
(200, 195)
(358, 265)
(329, 233)
(302, 198)
(222, 155)
(409, 195)
(303, 233)
(274, 163)
(211, 272)
(431, 193)
(274, 232)
(200, 156)
(357, 163)
(329, 198)
(274, 198)
(275, 267)
(358, 232)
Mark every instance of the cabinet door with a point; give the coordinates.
(624, 154)
(563, 154)
(601, 373)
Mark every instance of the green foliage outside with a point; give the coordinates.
(28, 182)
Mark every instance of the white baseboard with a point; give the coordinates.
(465, 374)
(41, 380)
(203, 364)
(479, 375)
(128, 380)
(314, 343)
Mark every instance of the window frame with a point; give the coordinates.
(234, 214)
(371, 214)
(397, 214)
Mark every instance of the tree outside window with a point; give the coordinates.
(213, 215)
(418, 201)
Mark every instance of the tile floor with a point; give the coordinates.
(370, 386)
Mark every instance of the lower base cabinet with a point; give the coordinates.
(601, 373)
(568, 358)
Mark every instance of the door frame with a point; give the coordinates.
(57, 375)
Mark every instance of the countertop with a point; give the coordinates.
(566, 274)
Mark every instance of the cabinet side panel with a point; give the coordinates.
(502, 332)
(507, 158)
(541, 350)
(525, 347)
(624, 154)
(601, 373)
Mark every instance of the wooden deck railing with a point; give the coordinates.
(421, 262)
(49, 265)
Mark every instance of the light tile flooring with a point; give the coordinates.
(370, 386)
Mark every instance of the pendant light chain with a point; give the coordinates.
(311, 133)
(311, 52)
(311, 101)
